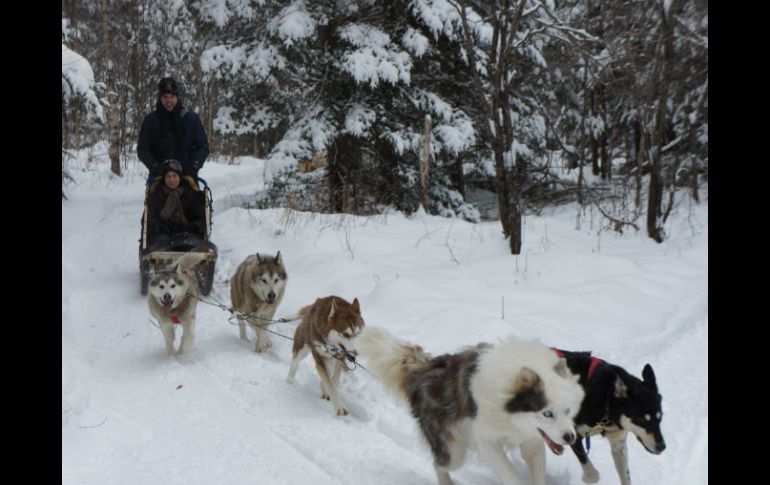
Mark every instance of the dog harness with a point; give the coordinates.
(180, 309)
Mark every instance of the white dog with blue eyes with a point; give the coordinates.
(487, 397)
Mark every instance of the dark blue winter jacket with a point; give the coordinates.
(178, 135)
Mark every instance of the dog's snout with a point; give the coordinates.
(271, 296)
(660, 446)
(569, 438)
(167, 298)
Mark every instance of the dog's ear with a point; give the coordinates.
(561, 368)
(176, 269)
(259, 258)
(648, 376)
(621, 391)
(527, 393)
(334, 307)
(278, 258)
(356, 306)
(526, 380)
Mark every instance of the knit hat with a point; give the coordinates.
(168, 85)
(170, 165)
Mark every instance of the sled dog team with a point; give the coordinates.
(515, 393)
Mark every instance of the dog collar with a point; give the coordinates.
(594, 364)
(595, 361)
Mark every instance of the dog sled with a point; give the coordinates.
(183, 243)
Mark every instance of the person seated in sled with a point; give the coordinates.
(176, 213)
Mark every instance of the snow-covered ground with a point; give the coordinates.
(225, 415)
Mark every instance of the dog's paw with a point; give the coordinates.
(590, 474)
(262, 346)
(342, 412)
(325, 397)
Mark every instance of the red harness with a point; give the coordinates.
(595, 361)
(180, 308)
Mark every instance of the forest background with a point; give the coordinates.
(475, 109)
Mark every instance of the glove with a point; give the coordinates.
(196, 165)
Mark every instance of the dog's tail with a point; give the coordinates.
(390, 359)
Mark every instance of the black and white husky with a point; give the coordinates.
(515, 393)
(615, 403)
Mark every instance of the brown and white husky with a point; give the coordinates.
(326, 330)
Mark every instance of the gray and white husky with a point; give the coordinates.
(256, 290)
(516, 393)
(173, 298)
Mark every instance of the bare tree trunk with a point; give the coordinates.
(503, 195)
(694, 180)
(581, 176)
(425, 163)
(640, 151)
(333, 176)
(498, 133)
(456, 171)
(665, 55)
(344, 156)
(605, 157)
(606, 162)
(594, 142)
(694, 169)
(583, 138)
(113, 114)
(655, 200)
(514, 212)
(637, 138)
